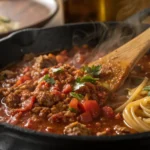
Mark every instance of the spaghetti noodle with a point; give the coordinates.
(133, 96)
(137, 115)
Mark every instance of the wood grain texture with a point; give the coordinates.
(122, 60)
(27, 12)
(132, 51)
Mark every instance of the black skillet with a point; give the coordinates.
(13, 47)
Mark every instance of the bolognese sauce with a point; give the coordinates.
(60, 94)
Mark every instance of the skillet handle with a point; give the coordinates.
(140, 16)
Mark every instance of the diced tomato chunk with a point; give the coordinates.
(108, 112)
(86, 117)
(60, 59)
(26, 105)
(64, 52)
(42, 83)
(81, 107)
(19, 82)
(56, 92)
(67, 89)
(118, 116)
(55, 87)
(44, 71)
(74, 104)
(47, 85)
(23, 79)
(26, 69)
(92, 107)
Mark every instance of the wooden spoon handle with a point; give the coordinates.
(122, 60)
(130, 52)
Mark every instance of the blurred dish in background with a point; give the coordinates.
(23, 14)
(101, 10)
(7, 25)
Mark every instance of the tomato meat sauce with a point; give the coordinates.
(59, 94)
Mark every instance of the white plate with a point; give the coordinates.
(26, 14)
(50, 4)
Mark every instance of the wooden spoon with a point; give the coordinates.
(117, 65)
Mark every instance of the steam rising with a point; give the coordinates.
(108, 37)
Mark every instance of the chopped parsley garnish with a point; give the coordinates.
(77, 86)
(72, 110)
(57, 70)
(93, 70)
(48, 79)
(146, 88)
(80, 82)
(87, 78)
(148, 94)
(76, 95)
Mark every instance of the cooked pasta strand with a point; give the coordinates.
(135, 121)
(133, 96)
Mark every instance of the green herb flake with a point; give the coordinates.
(80, 82)
(77, 86)
(93, 70)
(72, 110)
(48, 79)
(146, 88)
(57, 70)
(88, 78)
(76, 95)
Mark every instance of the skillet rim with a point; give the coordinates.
(6, 128)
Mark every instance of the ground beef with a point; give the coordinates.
(62, 117)
(60, 106)
(41, 111)
(44, 61)
(12, 100)
(96, 92)
(25, 94)
(16, 97)
(66, 75)
(28, 57)
(35, 74)
(29, 84)
(76, 128)
(37, 109)
(47, 99)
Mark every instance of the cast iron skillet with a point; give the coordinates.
(13, 47)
